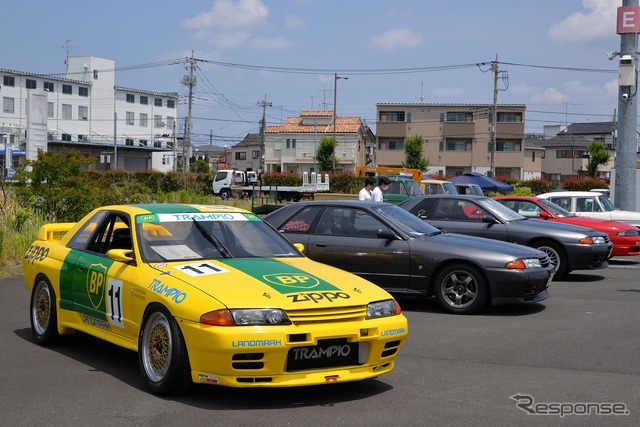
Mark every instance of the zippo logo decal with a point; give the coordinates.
(96, 279)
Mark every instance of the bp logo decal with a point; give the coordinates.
(96, 279)
(295, 281)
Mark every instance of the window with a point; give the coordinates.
(131, 117)
(95, 74)
(49, 86)
(9, 81)
(391, 116)
(143, 142)
(157, 102)
(533, 156)
(255, 154)
(241, 155)
(131, 98)
(128, 142)
(31, 84)
(392, 144)
(67, 89)
(171, 103)
(83, 91)
(144, 120)
(458, 145)
(82, 138)
(66, 111)
(291, 143)
(507, 145)
(454, 116)
(144, 100)
(66, 137)
(49, 109)
(8, 104)
(157, 144)
(562, 154)
(171, 122)
(509, 117)
(157, 121)
(83, 112)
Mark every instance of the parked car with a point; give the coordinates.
(591, 204)
(437, 186)
(625, 237)
(464, 188)
(211, 295)
(392, 248)
(569, 247)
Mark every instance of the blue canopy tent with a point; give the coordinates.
(485, 182)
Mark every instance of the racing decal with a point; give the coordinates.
(98, 323)
(391, 332)
(208, 378)
(201, 216)
(318, 296)
(286, 280)
(256, 343)
(174, 294)
(36, 253)
(138, 293)
(96, 278)
(114, 302)
(200, 269)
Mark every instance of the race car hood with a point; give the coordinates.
(288, 283)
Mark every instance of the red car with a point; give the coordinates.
(625, 237)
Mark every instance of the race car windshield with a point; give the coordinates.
(181, 237)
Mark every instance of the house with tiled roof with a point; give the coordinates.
(292, 146)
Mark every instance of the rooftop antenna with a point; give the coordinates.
(421, 91)
(67, 47)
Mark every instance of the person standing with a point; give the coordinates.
(376, 194)
(365, 193)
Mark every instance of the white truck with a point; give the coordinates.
(236, 183)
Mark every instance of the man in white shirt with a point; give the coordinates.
(376, 194)
(365, 193)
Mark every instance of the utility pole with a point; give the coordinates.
(335, 98)
(497, 74)
(115, 140)
(189, 81)
(626, 141)
(263, 125)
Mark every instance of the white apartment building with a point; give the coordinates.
(121, 128)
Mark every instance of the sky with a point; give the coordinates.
(553, 53)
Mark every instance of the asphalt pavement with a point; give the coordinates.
(573, 359)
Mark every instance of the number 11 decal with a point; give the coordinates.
(114, 302)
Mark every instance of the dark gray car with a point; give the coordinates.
(403, 254)
(569, 247)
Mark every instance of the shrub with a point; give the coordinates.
(583, 184)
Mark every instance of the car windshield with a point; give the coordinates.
(607, 206)
(499, 210)
(555, 209)
(189, 236)
(407, 222)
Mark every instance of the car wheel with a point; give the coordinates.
(44, 315)
(556, 256)
(162, 353)
(461, 289)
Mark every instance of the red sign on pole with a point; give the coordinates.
(628, 19)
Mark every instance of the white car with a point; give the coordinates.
(591, 204)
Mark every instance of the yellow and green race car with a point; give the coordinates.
(208, 294)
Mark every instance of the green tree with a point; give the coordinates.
(325, 154)
(200, 166)
(598, 155)
(414, 158)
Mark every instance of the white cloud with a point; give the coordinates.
(230, 14)
(396, 39)
(548, 96)
(293, 21)
(598, 20)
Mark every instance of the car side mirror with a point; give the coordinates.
(544, 215)
(386, 234)
(299, 246)
(489, 219)
(122, 255)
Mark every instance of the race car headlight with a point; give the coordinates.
(383, 309)
(521, 264)
(245, 317)
(259, 316)
(628, 233)
(592, 240)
